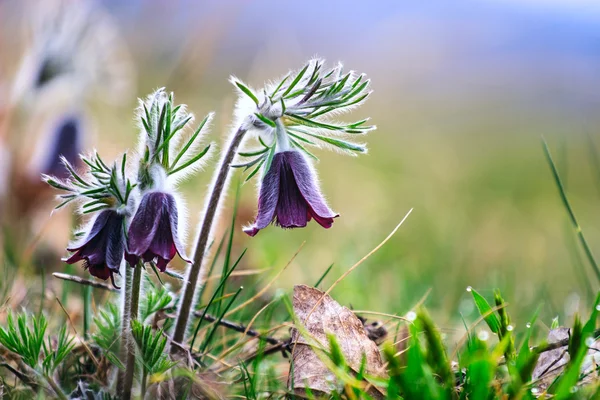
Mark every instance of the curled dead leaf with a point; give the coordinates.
(328, 318)
(552, 363)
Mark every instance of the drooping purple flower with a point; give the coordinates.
(66, 142)
(103, 247)
(153, 231)
(290, 196)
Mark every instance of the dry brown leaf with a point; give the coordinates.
(329, 317)
(552, 363)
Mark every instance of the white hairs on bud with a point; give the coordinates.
(193, 150)
(140, 113)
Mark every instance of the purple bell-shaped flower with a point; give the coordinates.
(290, 196)
(153, 231)
(103, 247)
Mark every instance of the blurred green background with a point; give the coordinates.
(463, 93)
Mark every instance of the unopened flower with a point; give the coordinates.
(153, 231)
(65, 142)
(290, 196)
(104, 246)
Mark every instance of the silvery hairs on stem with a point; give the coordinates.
(296, 112)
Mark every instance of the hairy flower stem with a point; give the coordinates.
(87, 311)
(133, 315)
(144, 382)
(189, 288)
(59, 392)
(125, 326)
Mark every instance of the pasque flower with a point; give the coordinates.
(103, 248)
(290, 196)
(288, 117)
(153, 231)
(105, 194)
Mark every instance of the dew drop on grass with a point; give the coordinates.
(469, 288)
(535, 390)
(411, 316)
(528, 325)
(598, 307)
(510, 328)
(574, 389)
(483, 335)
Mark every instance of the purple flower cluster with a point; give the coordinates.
(152, 236)
(144, 227)
(136, 220)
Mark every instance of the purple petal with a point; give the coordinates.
(74, 258)
(292, 210)
(97, 227)
(100, 271)
(173, 221)
(325, 222)
(162, 245)
(153, 231)
(145, 223)
(161, 264)
(268, 197)
(93, 250)
(131, 259)
(115, 246)
(318, 208)
(104, 246)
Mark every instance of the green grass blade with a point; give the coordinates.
(486, 311)
(567, 205)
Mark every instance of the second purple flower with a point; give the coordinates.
(153, 231)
